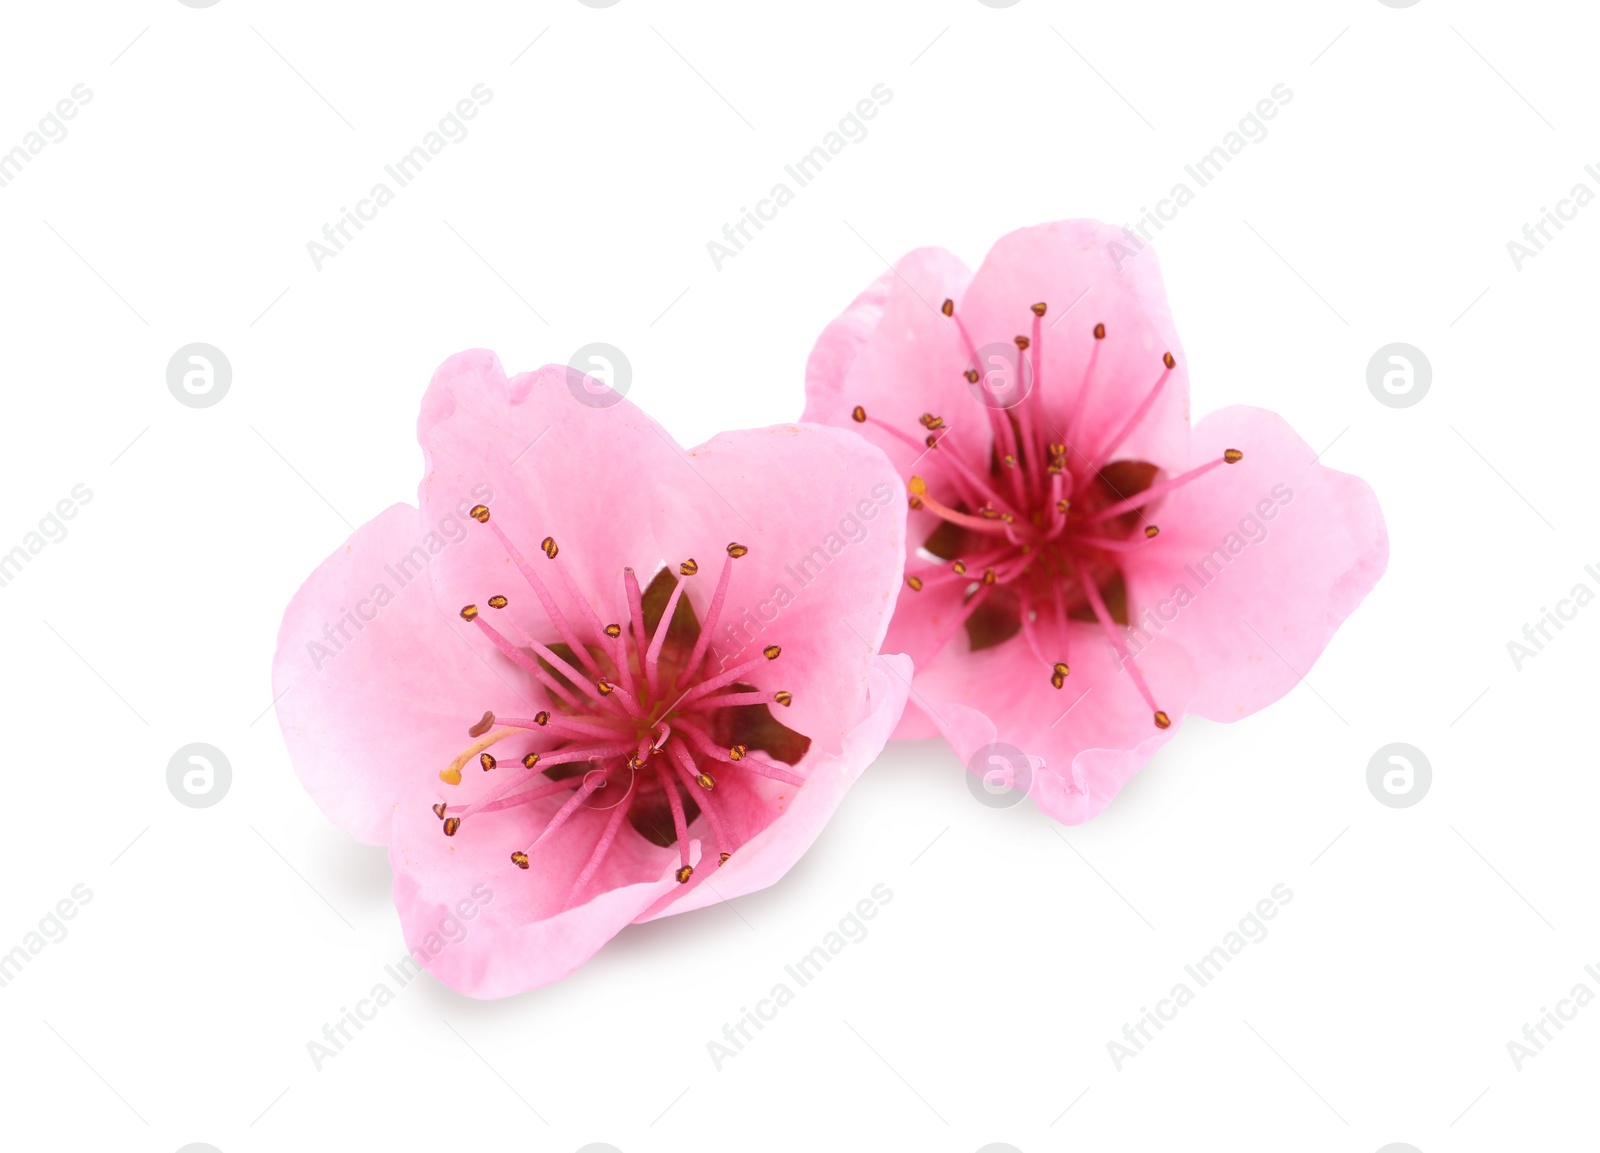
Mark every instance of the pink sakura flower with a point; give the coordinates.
(594, 679)
(1075, 545)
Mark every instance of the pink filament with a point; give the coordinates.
(606, 724)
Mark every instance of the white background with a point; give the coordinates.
(219, 941)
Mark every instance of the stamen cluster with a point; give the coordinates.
(639, 721)
(1037, 530)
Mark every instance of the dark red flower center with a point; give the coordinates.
(638, 721)
(1036, 532)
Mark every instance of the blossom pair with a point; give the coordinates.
(606, 679)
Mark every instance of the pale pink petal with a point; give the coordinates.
(361, 644)
(894, 353)
(915, 725)
(1091, 735)
(1272, 554)
(773, 851)
(822, 513)
(1088, 273)
(547, 465)
(519, 937)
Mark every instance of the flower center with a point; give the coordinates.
(1036, 534)
(639, 723)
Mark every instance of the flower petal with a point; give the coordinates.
(895, 354)
(373, 687)
(593, 479)
(1087, 273)
(773, 851)
(1273, 553)
(822, 514)
(1091, 736)
(519, 937)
